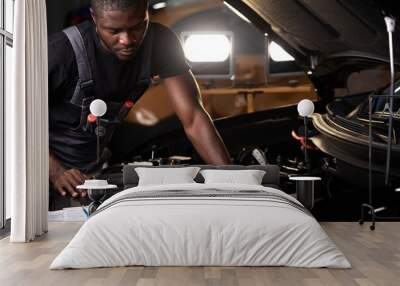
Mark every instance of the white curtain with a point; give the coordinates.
(27, 123)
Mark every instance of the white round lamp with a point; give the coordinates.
(98, 107)
(305, 107)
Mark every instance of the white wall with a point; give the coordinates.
(7, 82)
(9, 26)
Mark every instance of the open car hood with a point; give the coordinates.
(327, 36)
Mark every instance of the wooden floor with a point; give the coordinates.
(375, 256)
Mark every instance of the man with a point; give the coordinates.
(124, 51)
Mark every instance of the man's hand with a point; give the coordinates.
(65, 180)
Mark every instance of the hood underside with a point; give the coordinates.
(318, 32)
(315, 27)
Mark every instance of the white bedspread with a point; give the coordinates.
(201, 230)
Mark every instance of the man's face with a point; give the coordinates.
(122, 31)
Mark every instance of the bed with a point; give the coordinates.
(201, 224)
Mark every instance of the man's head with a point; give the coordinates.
(121, 25)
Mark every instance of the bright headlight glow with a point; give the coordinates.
(159, 5)
(278, 54)
(207, 47)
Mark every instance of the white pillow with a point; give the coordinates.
(248, 177)
(163, 176)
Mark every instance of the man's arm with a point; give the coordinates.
(184, 95)
(65, 179)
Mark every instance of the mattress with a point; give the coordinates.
(201, 225)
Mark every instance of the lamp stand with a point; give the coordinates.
(306, 158)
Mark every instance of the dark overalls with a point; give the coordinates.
(83, 134)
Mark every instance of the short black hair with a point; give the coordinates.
(109, 5)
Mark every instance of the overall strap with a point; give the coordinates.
(85, 80)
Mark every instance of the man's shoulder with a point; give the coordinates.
(60, 38)
(59, 49)
(87, 29)
(158, 28)
(162, 36)
(168, 56)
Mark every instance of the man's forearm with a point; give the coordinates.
(206, 140)
(184, 94)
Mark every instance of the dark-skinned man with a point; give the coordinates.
(113, 58)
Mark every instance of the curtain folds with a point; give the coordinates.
(27, 123)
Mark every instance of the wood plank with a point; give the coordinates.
(375, 257)
(262, 90)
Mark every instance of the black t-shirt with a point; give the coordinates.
(114, 81)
